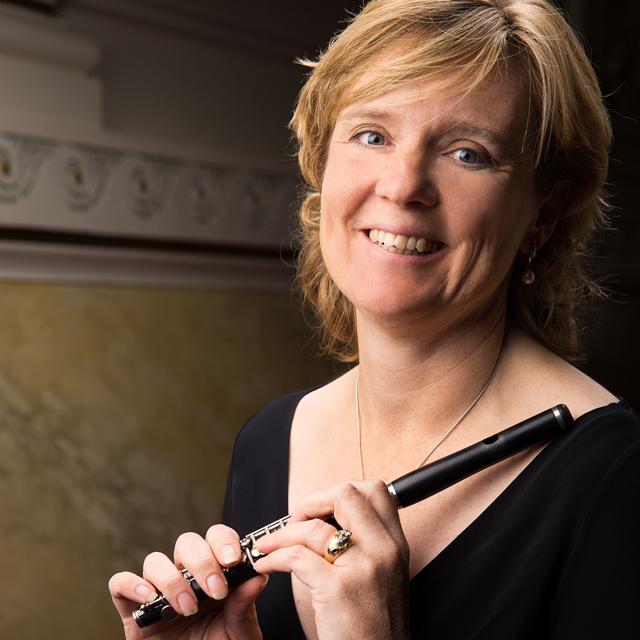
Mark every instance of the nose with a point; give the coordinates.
(407, 181)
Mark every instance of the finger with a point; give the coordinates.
(306, 565)
(349, 507)
(194, 553)
(128, 591)
(320, 503)
(241, 620)
(383, 502)
(314, 534)
(168, 579)
(225, 543)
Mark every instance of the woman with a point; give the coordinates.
(455, 152)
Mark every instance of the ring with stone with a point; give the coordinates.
(338, 543)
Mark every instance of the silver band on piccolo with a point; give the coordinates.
(407, 490)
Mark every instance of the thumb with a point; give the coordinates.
(241, 620)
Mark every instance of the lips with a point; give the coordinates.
(407, 245)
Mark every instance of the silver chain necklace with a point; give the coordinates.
(453, 427)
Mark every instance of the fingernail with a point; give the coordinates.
(266, 579)
(217, 587)
(187, 605)
(145, 592)
(230, 554)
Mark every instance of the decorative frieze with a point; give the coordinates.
(20, 161)
(83, 176)
(54, 185)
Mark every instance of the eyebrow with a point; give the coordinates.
(458, 127)
(473, 130)
(364, 114)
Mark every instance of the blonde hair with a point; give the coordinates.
(459, 43)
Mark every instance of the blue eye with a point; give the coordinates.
(469, 156)
(371, 138)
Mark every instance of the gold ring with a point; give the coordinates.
(339, 542)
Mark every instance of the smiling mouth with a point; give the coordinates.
(405, 245)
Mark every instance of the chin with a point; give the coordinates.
(395, 309)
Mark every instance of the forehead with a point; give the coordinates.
(500, 100)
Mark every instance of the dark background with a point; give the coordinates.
(611, 33)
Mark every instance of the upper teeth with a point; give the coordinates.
(398, 243)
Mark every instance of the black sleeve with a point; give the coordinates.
(599, 593)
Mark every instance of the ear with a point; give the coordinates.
(549, 212)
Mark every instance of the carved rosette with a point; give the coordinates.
(148, 186)
(85, 175)
(204, 194)
(20, 161)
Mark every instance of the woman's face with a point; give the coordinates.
(426, 201)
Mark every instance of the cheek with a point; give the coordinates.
(499, 217)
(330, 205)
(332, 180)
(340, 205)
(329, 237)
(323, 234)
(336, 238)
(488, 237)
(347, 183)
(330, 224)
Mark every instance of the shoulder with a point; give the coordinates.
(614, 428)
(321, 414)
(535, 378)
(605, 427)
(271, 421)
(329, 398)
(602, 442)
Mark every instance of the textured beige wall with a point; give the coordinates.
(118, 410)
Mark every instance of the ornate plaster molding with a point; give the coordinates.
(54, 185)
(136, 200)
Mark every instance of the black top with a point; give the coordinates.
(556, 555)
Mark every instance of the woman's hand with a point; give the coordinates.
(223, 618)
(364, 593)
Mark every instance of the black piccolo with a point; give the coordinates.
(407, 490)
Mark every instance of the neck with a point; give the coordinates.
(412, 390)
